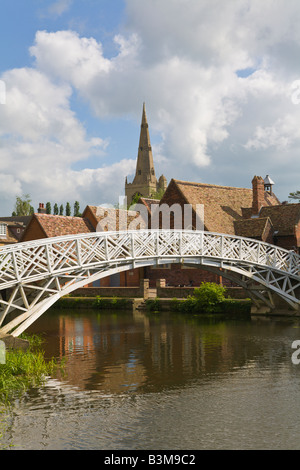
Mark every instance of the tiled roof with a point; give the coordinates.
(284, 217)
(222, 204)
(148, 202)
(252, 228)
(14, 230)
(114, 219)
(57, 225)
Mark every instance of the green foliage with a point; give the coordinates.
(158, 194)
(48, 208)
(135, 200)
(23, 206)
(24, 369)
(295, 195)
(55, 209)
(153, 305)
(110, 303)
(61, 210)
(77, 209)
(208, 295)
(68, 209)
(210, 298)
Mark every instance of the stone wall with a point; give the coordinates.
(177, 275)
(165, 292)
(123, 292)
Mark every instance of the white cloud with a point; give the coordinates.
(41, 138)
(182, 60)
(59, 7)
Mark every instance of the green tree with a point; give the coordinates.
(68, 209)
(295, 195)
(55, 209)
(135, 200)
(208, 295)
(23, 205)
(76, 209)
(61, 210)
(48, 208)
(158, 194)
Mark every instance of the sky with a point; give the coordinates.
(221, 83)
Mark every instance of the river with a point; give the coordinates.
(136, 380)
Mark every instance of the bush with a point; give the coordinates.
(110, 303)
(153, 304)
(208, 296)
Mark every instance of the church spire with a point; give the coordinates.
(145, 182)
(145, 167)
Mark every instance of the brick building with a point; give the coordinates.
(48, 226)
(12, 229)
(254, 213)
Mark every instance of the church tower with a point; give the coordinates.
(145, 182)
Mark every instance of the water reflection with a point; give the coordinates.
(143, 381)
(134, 351)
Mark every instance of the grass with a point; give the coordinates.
(24, 369)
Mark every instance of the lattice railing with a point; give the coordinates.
(33, 275)
(35, 260)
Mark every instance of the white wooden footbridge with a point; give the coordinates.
(34, 275)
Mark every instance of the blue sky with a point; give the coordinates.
(216, 78)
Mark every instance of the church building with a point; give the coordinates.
(145, 183)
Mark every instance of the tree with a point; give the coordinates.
(48, 208)
(55, 209)
(295, 195)
(76, 209)
(135, 200)
(23, 205)
(68, 209)
(61, 210)
(158, 194)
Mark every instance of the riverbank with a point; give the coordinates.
(23, 369)
(227, 306)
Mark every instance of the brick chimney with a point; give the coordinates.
(41, 209)
(258, 199)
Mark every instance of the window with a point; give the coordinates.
(2, 230)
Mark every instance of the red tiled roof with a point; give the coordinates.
(113, 219)
(252, 228)
(57, 225)
(284, 217)
(222, 204)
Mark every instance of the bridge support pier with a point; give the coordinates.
(12, 342)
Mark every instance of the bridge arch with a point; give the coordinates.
(34, 275)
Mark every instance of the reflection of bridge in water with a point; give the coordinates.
(141, 352)
(34, 275)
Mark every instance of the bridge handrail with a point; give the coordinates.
(50, 240)
(200, 243)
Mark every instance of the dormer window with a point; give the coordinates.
(2, 230)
